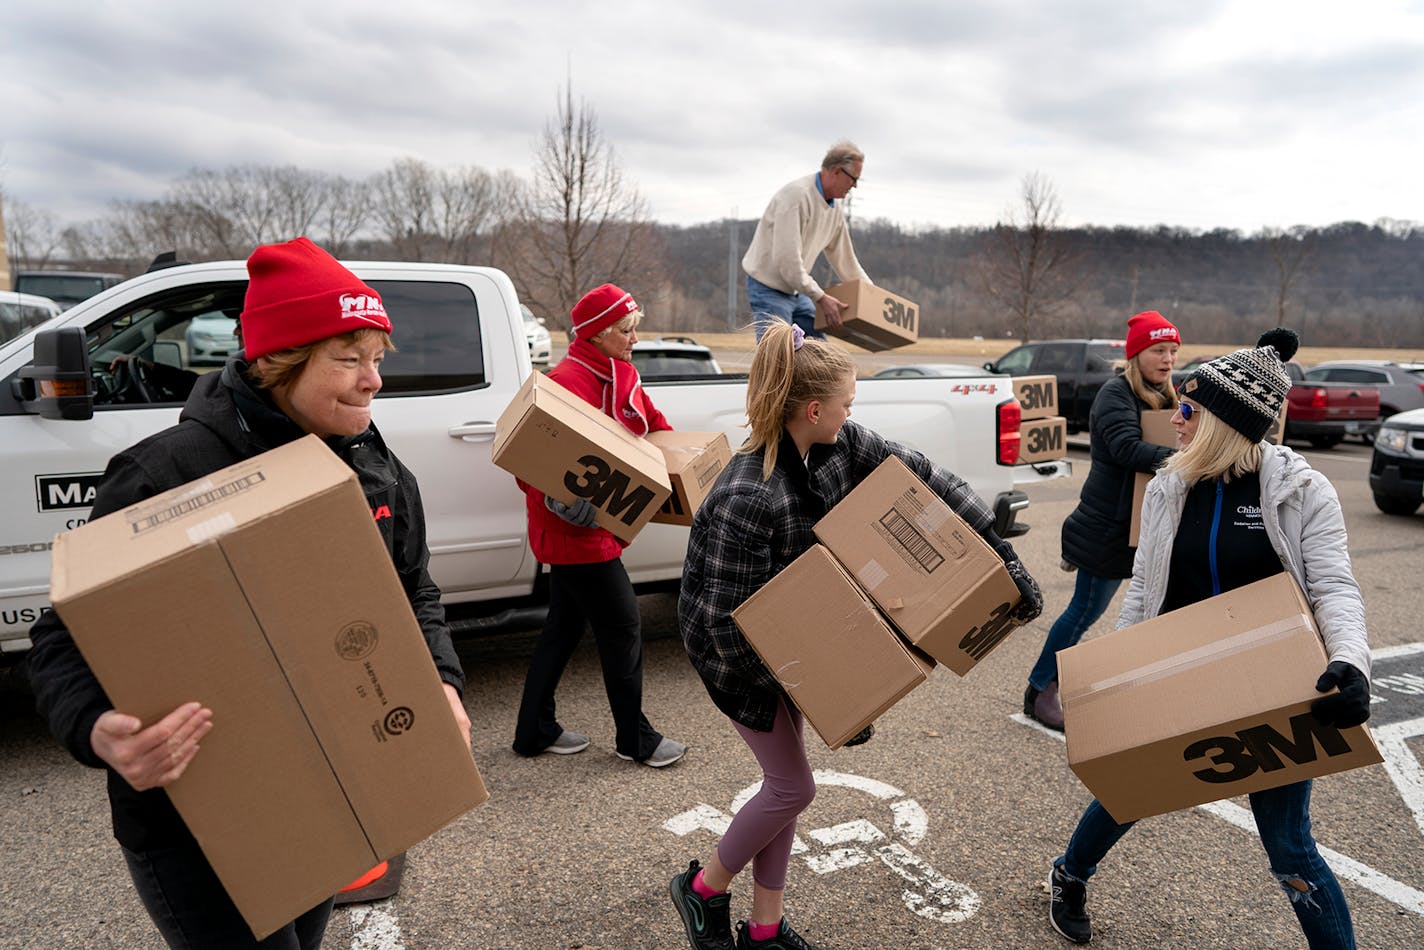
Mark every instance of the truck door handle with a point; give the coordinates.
(473, 431)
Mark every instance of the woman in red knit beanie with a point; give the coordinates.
(587, 580)
(1095, 534)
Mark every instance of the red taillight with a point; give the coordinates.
(1010, 417)
(1317, 399)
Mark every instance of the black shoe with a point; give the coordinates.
(1030, 697)
(1068, 907)
(785, 939)
(708, 921)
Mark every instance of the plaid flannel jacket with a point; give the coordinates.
(748, 529)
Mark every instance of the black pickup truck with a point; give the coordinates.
(1082, 367)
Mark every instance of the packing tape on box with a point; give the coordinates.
(872, 575)
(212, 528)
(1252, 639)
(932, 519)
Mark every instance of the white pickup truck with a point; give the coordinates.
(66, 406)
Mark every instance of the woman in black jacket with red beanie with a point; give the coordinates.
(1095, 534)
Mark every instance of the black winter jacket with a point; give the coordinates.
(223, 422)
(1095, 534)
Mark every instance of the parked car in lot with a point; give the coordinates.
(19, 312)
(211, 338)
(1397, 464)
(672, 357)
(1082, 367)
(538, 336)
(64, 287)
(1324, 413)
(1400, 385)
(930, 369)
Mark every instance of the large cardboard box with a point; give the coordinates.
(1157, 429)
(876, 319)
(823, 639)
(1203, 703)
(1043, 439)
(264, 591)
(567, 449)
(937, 580)
(1037, 395)
(694, 460)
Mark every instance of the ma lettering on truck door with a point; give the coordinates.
(68, 403)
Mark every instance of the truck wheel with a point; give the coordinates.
(1396, 504)
(1324, 441)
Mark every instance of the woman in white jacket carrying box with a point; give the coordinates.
(1227, 510)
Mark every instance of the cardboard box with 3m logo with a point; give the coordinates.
(1203, 703)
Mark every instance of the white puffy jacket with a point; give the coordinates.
(1307, 529)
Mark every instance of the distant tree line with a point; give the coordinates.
(576, 223)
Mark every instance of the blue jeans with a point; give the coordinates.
(1283, 821)
(1091, 597)
(767, 302)
(191, 908)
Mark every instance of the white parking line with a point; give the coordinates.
(374, 927)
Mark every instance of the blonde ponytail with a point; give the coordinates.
(783, 379)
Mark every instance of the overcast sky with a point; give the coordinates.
(1203, 114)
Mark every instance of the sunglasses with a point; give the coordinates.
(854, 179)
(1187, 410)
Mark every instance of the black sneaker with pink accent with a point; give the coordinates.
(785, 939)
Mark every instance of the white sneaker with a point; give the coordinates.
(667, 752)
(568, 743)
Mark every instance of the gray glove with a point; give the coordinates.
(580, 514)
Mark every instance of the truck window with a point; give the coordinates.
(1017, 361)
(1057, 358)
(437, 336)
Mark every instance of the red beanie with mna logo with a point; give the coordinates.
(1149, 328)
(299, 294)
(600, 308)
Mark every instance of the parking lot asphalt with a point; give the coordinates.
(937, 833)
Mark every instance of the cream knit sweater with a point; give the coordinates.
(796, 227)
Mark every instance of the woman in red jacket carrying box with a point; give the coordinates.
(587, 581)
(803, 456)
(1227, 510)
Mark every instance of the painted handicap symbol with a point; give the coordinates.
(927, 893)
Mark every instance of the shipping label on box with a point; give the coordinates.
(694, 460)
(1156, 428)
(1203, 703)
(831, 651)
(937, 580)
(1043, 439)
(875, 319)
(568, 449)
(333, 746)
(1037, 395)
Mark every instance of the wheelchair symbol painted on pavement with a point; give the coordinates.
(927, 893)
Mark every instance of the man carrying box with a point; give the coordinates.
(1227, 510)
(802, 220)
(313, 336)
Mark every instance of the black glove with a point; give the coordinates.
(1350, 706)
(580, 514)
(861, 737)
(1030, 603)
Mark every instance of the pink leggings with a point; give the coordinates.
(762, 832)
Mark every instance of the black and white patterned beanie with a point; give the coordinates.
(1247, 388)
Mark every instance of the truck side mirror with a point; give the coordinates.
(57, 383)
(990, 367)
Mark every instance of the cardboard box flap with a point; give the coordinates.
(109, 549)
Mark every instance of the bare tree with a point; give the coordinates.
(32, 235)
(345, 211)
(1027, 265)
(430, 214)
(579, 224)
(1289, 251)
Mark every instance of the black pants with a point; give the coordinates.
(192, 910)
(602, 596)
